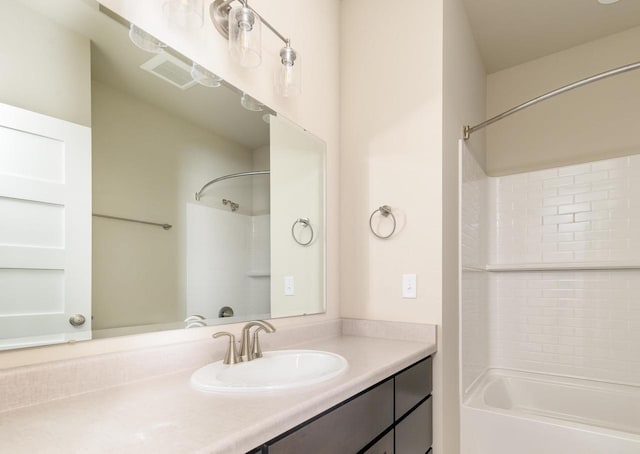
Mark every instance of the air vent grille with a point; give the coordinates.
(170, 69)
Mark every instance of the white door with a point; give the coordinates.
(45, 229)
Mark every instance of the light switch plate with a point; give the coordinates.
(409, 289)
(289, 289)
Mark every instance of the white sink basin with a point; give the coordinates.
(276, 370)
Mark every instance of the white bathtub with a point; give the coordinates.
(510, 412)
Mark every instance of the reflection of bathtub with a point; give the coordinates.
(509, 412)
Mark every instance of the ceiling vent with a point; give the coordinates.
(170, 69)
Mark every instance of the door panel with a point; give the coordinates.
(45, 228)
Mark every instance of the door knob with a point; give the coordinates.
(77, 319)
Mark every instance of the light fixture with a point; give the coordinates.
(245, 39)
(184, 13)
(288, 78)
(241, 25)
(144, 40)
(607, 2)
(205, 77)
(250, 103)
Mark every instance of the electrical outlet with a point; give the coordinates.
(409, 289)
(289, 286)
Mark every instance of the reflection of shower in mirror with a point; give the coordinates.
(233, 175)
(234, 206)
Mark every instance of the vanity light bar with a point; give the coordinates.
(243, 33)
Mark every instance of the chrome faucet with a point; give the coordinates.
(250, 350)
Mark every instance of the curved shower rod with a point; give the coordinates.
(233, 175)
(468, 130)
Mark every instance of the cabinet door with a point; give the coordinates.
(347, 429)
(383, 446)
(412, 385)
(414, 433)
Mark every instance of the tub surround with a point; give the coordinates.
(548, 309)
(142, 401)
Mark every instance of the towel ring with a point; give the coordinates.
(385, 211)
(305, 223)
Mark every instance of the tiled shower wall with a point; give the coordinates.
(474, 280)
(583, 323)
(577, 323)
(582, 213)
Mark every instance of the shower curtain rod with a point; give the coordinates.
(233, 175)
(468, 130)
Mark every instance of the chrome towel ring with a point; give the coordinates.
(305, 223)
(385, 211)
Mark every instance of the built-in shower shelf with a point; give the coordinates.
(259, 274)
(564, 266)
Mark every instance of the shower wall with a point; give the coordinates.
(562, 258)
(227, 262)
(582, 213)
(578, 323)
(474, 279)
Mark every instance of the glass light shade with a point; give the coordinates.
(184, 13)
(245, 37)
(250, 103)
(205, 77)
(288, 77)
(144, 40)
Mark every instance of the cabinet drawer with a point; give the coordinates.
(347, 429)
(412, 385)
(414, 434)
(383, 446)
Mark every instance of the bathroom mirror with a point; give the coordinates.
(103, 147)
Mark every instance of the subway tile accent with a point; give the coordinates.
(579, 323)
(593, 201)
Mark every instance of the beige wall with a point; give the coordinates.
(463, 103)
(147, 164)
(391, 153)
(54, 71)
(391, 98)
(594, 122)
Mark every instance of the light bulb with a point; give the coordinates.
(245, 37)
(288, 75)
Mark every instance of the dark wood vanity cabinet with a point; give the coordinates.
(392, 417)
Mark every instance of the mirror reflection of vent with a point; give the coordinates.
(170, 69)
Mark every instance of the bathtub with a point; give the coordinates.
(512, 412)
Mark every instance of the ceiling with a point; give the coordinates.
(510, 32)
(115, 61)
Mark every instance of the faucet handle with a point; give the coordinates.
(231, 356)
(255, 345)
(246, 348)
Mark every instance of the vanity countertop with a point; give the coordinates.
(165, 415)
